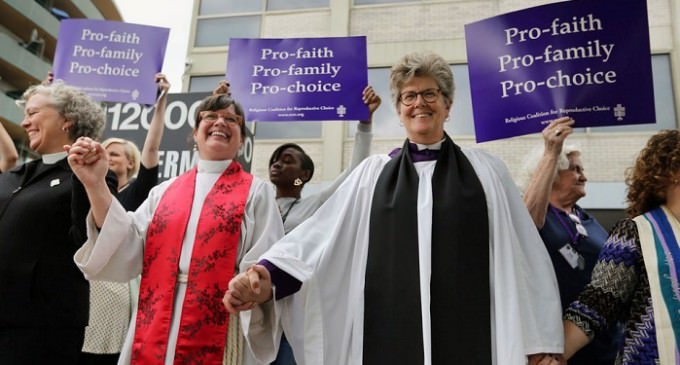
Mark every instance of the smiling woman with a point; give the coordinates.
(177, 223)
(412, 218)
(43, 297)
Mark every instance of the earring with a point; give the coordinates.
(447, 119)
(401, 124)
(195, 147)
(297, 182)
(64, 129)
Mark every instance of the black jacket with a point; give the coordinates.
(40, 285)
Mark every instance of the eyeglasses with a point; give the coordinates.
(410, 97)
(229, 118)
(579, 226)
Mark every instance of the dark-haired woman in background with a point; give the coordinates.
(290, 169)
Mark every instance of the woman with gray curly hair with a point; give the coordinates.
(425, 255)
(553, 181)
(43, 295)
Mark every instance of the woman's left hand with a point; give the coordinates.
(372, 100)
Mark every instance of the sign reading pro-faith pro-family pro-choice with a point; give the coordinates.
(299, 79)
(586, 59)
(110, 61)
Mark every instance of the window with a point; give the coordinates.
(217, 31)
(263, 130)
(219, 20)
(373, 2)
(296, 4)
(213, 7)
(204, 83)
(287, 130)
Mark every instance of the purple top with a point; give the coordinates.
(416, 154)
(285, 284)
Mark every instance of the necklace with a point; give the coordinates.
(285, 215)
(123, 187)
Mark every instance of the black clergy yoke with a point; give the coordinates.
(459, 286)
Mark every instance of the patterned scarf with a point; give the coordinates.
(460, 290)
(658, 230)
(204, 321)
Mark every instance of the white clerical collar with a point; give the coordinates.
(434, 146)
(213, 166)
(52, 158)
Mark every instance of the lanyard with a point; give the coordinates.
(285, 215)
(574, 235)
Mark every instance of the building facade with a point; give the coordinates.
(28, 38)
(396, 27)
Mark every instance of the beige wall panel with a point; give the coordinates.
(292, 25)
(418, 22)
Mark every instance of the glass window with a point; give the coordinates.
(287, 130)
(664, 104)
(204, 83)
(385, 119)
(212, 7)
(263, 130)
(216, 32)
(371, 2)
(296, 4)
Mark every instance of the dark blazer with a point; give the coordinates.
(40, 285)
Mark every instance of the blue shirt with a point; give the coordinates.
(559, 230)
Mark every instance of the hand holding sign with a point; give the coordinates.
(372, 100)
(222, 88)
(555, 133)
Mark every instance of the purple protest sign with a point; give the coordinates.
(110, 61)
(586, 59)
(299, 79)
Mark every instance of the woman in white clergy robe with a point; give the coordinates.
(191, 235)
(424, 256)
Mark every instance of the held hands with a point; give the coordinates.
(88, 160)
(247, 289)
(372, 100)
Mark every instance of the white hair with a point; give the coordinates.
(531, 160)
